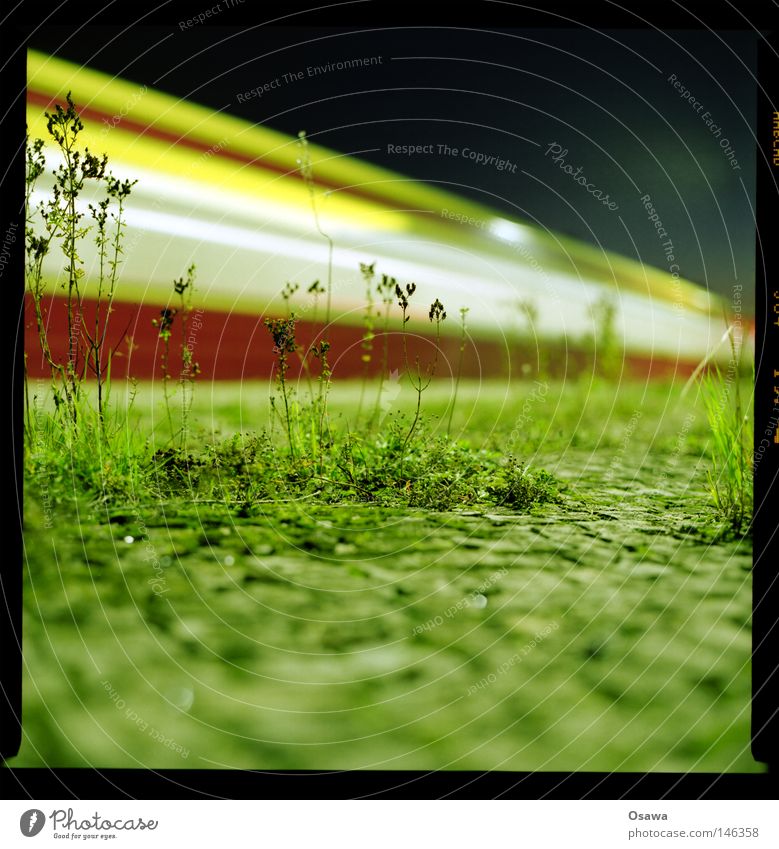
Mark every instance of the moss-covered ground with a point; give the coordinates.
(609, 631)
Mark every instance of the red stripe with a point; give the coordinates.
(233, 346)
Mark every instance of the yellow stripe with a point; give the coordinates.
(130, 149)
(55, 77)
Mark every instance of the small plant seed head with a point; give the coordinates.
(402, 299)
(289, 290)
(437, 312)
(165, 322)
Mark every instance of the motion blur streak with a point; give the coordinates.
(227, 195)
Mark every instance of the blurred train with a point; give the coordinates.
(230, 197)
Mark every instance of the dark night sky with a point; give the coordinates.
(603, 96)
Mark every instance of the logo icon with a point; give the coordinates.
(31, 822)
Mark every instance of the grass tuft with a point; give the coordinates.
(730, 478)
(80, 443)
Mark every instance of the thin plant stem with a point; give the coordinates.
(463, 313)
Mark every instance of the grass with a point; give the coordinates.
(730, 419)
(370, 457)
(355, 634)
(730, 477)
(301, 452)
(244, 471)
(310, 574)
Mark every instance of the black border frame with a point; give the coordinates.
(116, 784)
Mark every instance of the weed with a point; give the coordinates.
(316, 289)
(95, 450)
(307, 173)
(85, 444)
(730, 478)
(437, 315)
(286, 293)
(461, 354)
(368, 272)
(528, 310)
(109, 249)
(184, 289)
(165, 325)
(283, 332)
(516, 486)
(59, 220)
(605, 344)
(385, 289)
